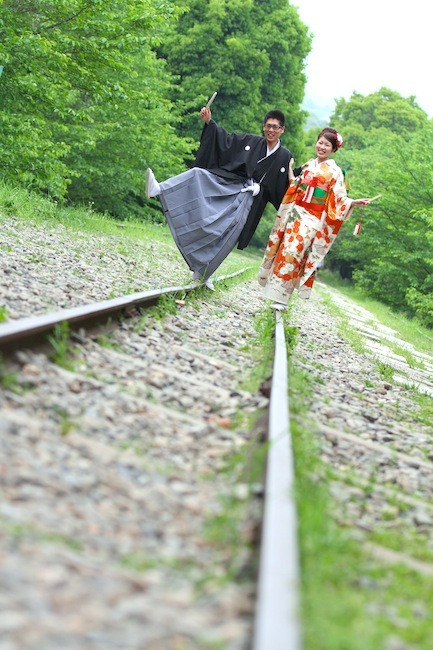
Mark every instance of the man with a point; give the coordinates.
(219, 202)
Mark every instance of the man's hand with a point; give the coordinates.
(254, 189)
(205, 114)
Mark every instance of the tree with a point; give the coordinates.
(360, 116)
(251, 51)
(83, 98)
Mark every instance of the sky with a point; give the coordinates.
(362, 46)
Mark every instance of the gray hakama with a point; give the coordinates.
(206, 214)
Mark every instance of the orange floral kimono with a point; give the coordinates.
(307, 223)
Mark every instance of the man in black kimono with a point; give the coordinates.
(219, 202)
(247, 156)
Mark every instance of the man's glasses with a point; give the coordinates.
(272, 127)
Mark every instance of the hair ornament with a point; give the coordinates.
(338, 140)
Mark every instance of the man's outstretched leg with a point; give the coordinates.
(197, 277)
(152, 185)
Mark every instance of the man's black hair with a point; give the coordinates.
(275, 115)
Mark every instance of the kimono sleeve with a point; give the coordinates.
(339, 204)
(218, 148)
(275, 236)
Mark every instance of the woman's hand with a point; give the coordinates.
(291, 174)
(361, 201)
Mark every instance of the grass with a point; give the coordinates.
(35, 534)
(401, 351)
(424, 413)
(35, 208)
(232, 532)
(262, 353)
(345, 329)
(62, 353)
(350, 601)
(66, 424)
(8, 379)
(168, 304)
(410, 330)
(107, 341)
(386, 371)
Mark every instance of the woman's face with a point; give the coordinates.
(323, 148)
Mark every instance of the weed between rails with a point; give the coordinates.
(8, 379)
(62, 354)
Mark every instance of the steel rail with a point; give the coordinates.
(34, 328)
(277, 625)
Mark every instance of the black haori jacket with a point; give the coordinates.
(243, 156)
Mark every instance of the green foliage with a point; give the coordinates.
(84, 98)
(252, 53)
(421, 304)
(360, 116)
(392, 259)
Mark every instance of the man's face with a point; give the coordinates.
(272, 130)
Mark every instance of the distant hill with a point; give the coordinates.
(318, 114)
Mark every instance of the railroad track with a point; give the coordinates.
(114, 486)
(34, 329)
(117, 461)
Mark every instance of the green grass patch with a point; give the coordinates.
(62, 352)
(232, 532)
(261, 350)
(424, 413)
(37, 535)
(350, 601)
(410, 358)
(66, 424)
(8, 378)
(108, 342)
(346, 331)
(386, 371)
(410, 330)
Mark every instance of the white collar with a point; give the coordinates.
(270, 152)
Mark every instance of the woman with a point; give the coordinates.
(307, 223)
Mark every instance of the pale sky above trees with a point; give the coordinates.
(369, 44)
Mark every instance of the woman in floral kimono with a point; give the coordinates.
(307, 223)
